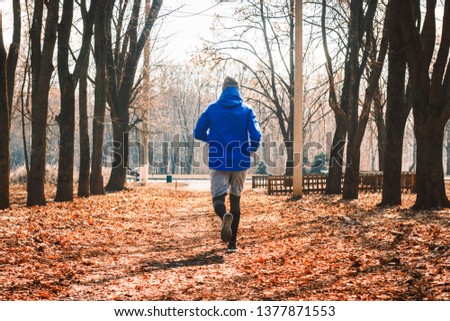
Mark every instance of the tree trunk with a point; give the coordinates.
(351, 179)
(42, 70)
(36, 180)
(393, 162)
(289, 171)
(143, 150)
(190, 155)
(121, 76)
(165, 158)
(447, 146)
(429, 96)
(117, 180)
(85, 159)
(175, 162)
(355, 126)
(333, 185)
(430, 173)
(13, 54)
(151, 160)
(412, 167)
(4, 126)
(397, 111)
(25, 102)
(334, 178)
(68, 83)
(66, 122)
(102, 19)
(381, 129)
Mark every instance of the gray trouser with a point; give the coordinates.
(223, 182)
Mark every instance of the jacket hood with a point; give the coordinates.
(230, 98)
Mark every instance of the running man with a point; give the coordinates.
(232, 131)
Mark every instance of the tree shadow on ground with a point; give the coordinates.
(201, 259)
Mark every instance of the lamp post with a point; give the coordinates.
(298, 101)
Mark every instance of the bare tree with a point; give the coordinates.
(8, 64)
(102, 37)
(68, 82)
(360, 24)
(85, 152)
(4, 124)
(340, 109)
(430, 89)
(350, 120)
(447, 148)
(379, 119)
(123, 60)
(397, 110)
(42, 70)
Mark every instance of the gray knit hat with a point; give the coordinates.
(229, 82)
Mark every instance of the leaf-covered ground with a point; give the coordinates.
(158, 243)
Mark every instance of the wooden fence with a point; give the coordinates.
(260, 181)
(279, 185)
(368, 182)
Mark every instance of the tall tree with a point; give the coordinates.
(42, 70)
(4, 125)
(102, 37)
(397, 110)
(25, 94)
(13, 53)
(430, 89)
(8, 63)
(447, 147)
(360, 24)
(85, 152)
(67, 83)
(349, 118)
(336, 161)
(378, 115)
(122, 64)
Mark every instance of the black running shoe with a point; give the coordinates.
(225, 232)
(232, 247)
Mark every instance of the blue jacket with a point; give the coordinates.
(231, 130)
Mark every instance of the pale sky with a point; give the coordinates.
(190, 23)
(5, 8)
(185, 27)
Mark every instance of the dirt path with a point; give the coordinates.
(151, 243)
(157, 243)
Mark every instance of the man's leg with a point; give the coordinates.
(235, 209)
(219, 188)
(236, 187)
(219, 205)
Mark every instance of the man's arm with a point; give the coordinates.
(201, 129)
(254, 132)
